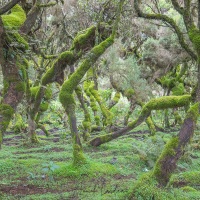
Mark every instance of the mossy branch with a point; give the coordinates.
(154, 104)
(171, 22)
(47, 5)
(174, 149)
(70, 85)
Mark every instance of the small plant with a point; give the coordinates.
(49, 168)
(32, 176)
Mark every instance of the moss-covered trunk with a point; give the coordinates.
(68, 88)
(13, 85)
(174, 149)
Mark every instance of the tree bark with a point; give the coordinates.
(174, 149)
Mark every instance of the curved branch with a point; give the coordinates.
(154, 104)
(171, 22)
(8, 6)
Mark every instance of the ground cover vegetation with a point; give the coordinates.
(99, 99)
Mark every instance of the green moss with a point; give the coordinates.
(82, 38)
(159, 104)
(168, 81)
(90, 169)
(147, 188)
(129, 93)
(21, 86)
(151, 125)
(6, 112)
(99, 49)
(5, 86)
(167, 102)
(78, 156)
(22, 43)
(19, 124)
(168, 150)
(106, 113)
(188, 189)
(178, 118)
(87, 125)
(44, 106)
(178, 90)
(117, 97)
(34, 91)
(103, 138)
(194, 35)
(189, 178)
(97, 119)
(90, 74)
(65, 57)
(15, 19)
(193, 112)
(48, 93)
(34, 139)
(48, 75)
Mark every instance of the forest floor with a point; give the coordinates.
(44, 171)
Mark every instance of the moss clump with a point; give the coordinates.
(13, 22)
(106, 113)
(117, 97)
(89, 169)
(178, 118)
(48, 75)
(6, 112)
(189, 178)
(151, 125)
(15, 19)
(178, 90)
(194, 35)
(34, 139)
(129, 93)
(167, 102)
(167, 81)
(48, 93)
(19, 124)
(97, 120)
(82, 38)
(44, 106)
(65, 57)
(188, 189)
(78, 156)
(193, 112)
(34, 91)
(102, 138)
(147, 188)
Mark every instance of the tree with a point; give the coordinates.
(172, 152)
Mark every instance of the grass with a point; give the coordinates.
(112, 170)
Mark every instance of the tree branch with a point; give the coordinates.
(177, 7)
(171, 22)
(8, 6)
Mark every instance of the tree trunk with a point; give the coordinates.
(174, 149)
(13, 85)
